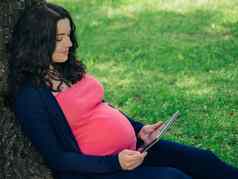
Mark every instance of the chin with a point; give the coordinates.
(61, 60)
(64, 60)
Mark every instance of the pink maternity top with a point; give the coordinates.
(98, 128)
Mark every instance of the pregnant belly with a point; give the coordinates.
(107, 131)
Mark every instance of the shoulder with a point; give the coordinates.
(28, 98)
(29, 106)
(27, 92)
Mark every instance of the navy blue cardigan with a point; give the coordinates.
(43, 121)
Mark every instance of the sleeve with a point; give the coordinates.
(35, 123)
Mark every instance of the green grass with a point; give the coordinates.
(158, 56)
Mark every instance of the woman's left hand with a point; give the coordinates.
(149, 132)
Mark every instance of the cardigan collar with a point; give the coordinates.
(58, 119)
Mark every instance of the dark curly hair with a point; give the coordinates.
(31, 48)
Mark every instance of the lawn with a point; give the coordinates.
(155, 57)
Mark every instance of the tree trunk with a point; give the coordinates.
(18, 159)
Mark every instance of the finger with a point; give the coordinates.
(148, 128)
(130, 152)
(135, 157)
(151, 129)
(140, 149)
(132, 158)
(132, 167)
(140, 156)
(134, 164)
(144, 154)
(158, 124)
(139, 161)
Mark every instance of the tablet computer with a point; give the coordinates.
(162, 131)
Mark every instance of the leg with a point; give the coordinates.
(195, 162)
(145, 172)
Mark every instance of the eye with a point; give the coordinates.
(59, 39)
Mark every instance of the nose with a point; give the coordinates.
(68, 42)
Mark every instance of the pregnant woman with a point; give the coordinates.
(61, 109)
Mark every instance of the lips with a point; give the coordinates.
(65, 52)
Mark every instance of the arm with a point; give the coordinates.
(35, 123)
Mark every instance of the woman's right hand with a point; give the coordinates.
(130, 159)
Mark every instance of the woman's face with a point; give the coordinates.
(63, 41)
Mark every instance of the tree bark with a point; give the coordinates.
(18, 159)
